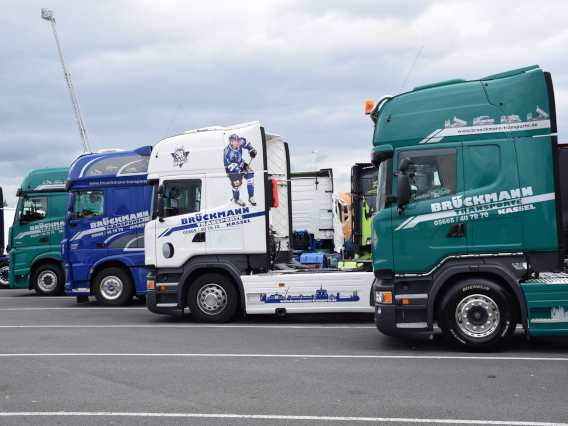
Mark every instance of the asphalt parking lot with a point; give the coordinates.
(63, 363)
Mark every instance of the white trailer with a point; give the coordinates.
(316, 208)
(207, 252)
(6, 220)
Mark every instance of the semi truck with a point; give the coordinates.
(317, 212)
(6, 220)
(35, 236)
(108, 206)
(471, 223)
(215, 244)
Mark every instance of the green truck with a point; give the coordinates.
(37, 232)
(472, 211)
(363, 205)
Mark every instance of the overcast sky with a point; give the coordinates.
(302, 68)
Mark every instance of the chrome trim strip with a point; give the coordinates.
(411, 325)
(167, 305)
(411, 296)
(544, 320)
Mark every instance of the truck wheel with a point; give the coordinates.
(477, 315)
(212, 298)
(112, 287)
(4, 274)
(47, 280)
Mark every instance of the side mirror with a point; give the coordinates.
(346, 217)
(345, 209)
(404, 163)
(161, 190)
(19, 218)
(160, 205)
(403, 190)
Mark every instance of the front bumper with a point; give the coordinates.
(389, 321)
(159, 308)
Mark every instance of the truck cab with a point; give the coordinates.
(221, 228)
(35, 236)
(107, 208)
(470, 218)
(363, 206)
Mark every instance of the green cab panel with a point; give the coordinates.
(534, 157)
(381, 229)
(547, 305)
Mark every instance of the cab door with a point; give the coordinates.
(182, 229)
(31, 234)
(429, 228)
(86, 231)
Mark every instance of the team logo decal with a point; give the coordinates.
(180, 156)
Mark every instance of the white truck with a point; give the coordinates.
(216, 243)
(317, 209)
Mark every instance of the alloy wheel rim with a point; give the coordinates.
(111, 288)
(4, 275)
(477, 316)
(212, 299)
(47, 281)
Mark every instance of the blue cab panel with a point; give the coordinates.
(108, 206)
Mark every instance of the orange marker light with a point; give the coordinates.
(387, 298)
(281, 285)
(405, 301)
(150, 285)
(161, 287)
(369, 105)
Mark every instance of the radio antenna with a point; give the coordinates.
(411, 68)
(172, 121)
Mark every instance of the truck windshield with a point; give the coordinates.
(382, 186)
(88, 204)
(182, 197)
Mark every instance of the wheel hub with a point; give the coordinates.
(47, 281)
(477, 316)
(111, 288)
(211, 299)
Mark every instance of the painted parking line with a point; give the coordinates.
(229, 355)
(283, 417)
(190, 326)
(88, 308)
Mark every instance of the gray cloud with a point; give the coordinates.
(302, 68)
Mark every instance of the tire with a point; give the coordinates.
(4, 271)
(112, 287)
(47, 280)
(477, 315)
(212, 298)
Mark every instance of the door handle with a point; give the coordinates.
(44, 240)
(199, 237)
(456, 230)
(101, 245)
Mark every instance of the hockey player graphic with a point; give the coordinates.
(236, 168)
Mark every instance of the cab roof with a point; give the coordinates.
(45, 180)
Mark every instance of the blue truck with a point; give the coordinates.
(108, 206)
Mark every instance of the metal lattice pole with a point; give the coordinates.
(48, 15)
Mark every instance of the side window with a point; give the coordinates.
(431, 176)
(182, 197)
(87, 204)
(381, 186)
(34, 208)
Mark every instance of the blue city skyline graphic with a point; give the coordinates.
(320, 295)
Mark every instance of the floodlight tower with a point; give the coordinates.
(48, 16)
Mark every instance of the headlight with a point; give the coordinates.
(168, 250)
(383, 297)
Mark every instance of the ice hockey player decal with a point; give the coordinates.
(236, 168)
(180, 156)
